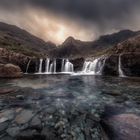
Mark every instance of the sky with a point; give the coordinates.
(55, 20)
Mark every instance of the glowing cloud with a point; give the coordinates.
(48, 26)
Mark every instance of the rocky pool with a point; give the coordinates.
(64, 107)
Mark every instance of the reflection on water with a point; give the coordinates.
(81, 89)
(71, 106)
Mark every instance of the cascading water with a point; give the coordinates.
(68, 67)
(94, 67)
(47, 65)
(40, 66)
(28, 66)
(54, 66)
(51, 68)
(121, 73)
(63, 65)
(90, 67)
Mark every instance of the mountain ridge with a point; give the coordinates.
(72, 47)
(19, 40)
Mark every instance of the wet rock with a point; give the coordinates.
(6, 115)
(123, 127)
(131, 64)
(7, 138)
(24, 117)
(36, 122)
(30, 135)
(78, 63)
(20, 97)
(137, 99)
(111, 66)
(7, 90)
(10, 71)
(121, 99)
(8, 56)
(49, 134)
(13, 131)
(3, 126)
(111, 93)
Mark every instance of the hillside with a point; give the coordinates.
(76, 48)
(132, 45)
(18, 40)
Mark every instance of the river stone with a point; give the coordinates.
(13, 131)
(49, 134)
(112, 93)
(6, 91)
(3, 126)
(6, 115)
(123, 127)
(30, 135)
(10, 71)
(20, 97)
(7, 138)
(24, 117)
(36, 122)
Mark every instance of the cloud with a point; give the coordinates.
(46, 25)
(89, 18)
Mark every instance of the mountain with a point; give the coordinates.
(126, 55)
(131, 45)
(18, 40)
(76, 48)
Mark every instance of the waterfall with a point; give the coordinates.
(85, 67)
(47, 65)
(63, 65)
(28, 66)
(100, 65)
(40, 66)
(121, 73)
(94, 67)
(52, 68)
(68, 66)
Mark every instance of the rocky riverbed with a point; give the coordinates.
(59, 107)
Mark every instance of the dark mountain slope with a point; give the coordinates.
(18, 40)
(132, 45)
(76, 48)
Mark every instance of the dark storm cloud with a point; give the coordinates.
(95, 10)
(90, 9)
(103, 16)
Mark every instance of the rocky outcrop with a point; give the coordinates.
(123, 127)
(4, 91)
(10, 71)
(111, 66)
(132, 45)
(78, 63)
(130, 64)
(7, 56)
(129, 53)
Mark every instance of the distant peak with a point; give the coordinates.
(69, 40)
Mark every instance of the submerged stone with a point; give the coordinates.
(24, 117)
(3, 126)
(36, 122)
(6, 115)
(123, 127)
(13, 131)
